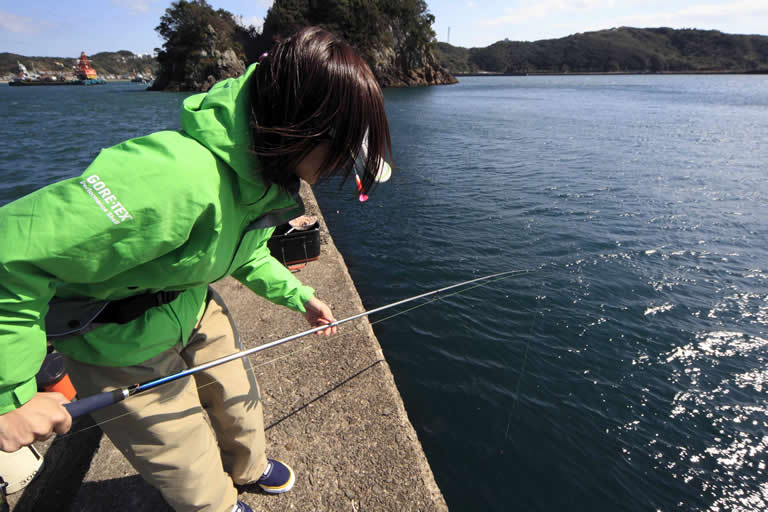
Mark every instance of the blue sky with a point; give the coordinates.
(64, 29)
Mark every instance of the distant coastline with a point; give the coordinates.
(612, 73)
(108, 80)
(120, 65)
(624, 50)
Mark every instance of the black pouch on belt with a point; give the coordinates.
(77, 316)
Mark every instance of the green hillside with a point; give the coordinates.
(616, 50)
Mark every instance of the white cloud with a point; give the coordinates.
(471, 4)
(135, 7)
(725, 16)
(745, 8)
(545, 8)
(245, 21)
(604, 14)
(10, 22)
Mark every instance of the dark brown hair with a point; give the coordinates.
(313, 87)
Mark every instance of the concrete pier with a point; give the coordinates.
(332, 411)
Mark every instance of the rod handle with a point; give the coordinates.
(93, 403)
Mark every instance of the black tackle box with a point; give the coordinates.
(295, 246)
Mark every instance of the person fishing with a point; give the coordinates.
(114, 267)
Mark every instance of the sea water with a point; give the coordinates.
(627, 369)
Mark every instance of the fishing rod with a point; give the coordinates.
(99, 401)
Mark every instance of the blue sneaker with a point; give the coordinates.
(241, 507)
(277, 478)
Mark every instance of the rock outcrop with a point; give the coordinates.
(202, 70)
(228, 64)
(402, 68)
(408, 61)
(196, 62)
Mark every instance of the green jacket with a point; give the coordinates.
(168, 211)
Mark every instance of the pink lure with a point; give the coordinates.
(363, 197)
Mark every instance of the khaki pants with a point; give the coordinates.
(163, 432)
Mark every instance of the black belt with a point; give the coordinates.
(78, 315)
(130, 308)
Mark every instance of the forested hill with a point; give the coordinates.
(204, 44)
(616, 50)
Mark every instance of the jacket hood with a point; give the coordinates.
(220, 121)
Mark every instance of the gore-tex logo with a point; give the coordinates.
(106, 200)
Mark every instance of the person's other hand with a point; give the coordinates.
(318, 313)
(36, 420)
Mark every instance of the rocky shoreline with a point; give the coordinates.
(391, 70)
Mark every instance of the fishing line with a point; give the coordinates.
(442, 297)
(107, 398)
(489, 280)
(520, 376)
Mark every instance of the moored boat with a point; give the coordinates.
(86, 75)
(138, 78)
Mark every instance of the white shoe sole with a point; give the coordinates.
(283, 488)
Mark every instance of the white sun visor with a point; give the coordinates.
(383, 173)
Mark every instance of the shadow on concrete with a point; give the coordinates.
(324, 394)
(64, 466)
(59, 485)
(127, 493)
